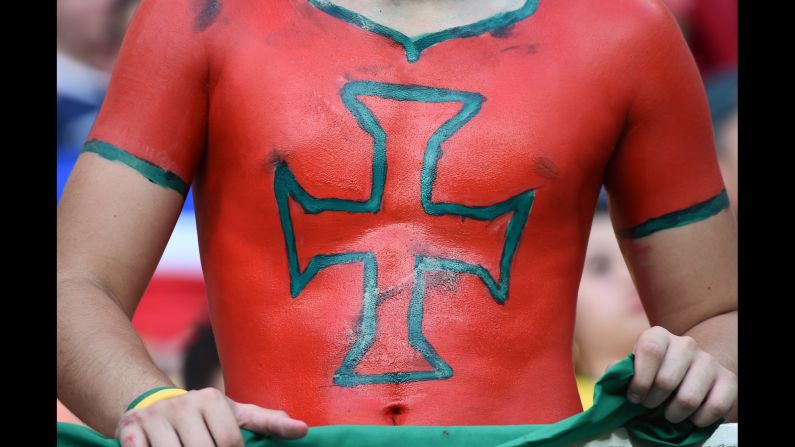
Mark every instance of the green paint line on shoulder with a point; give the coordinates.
(415, 46)
(692, 214)
(152, 172)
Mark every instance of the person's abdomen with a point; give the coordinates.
(323, 359)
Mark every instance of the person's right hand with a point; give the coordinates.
(202, 418)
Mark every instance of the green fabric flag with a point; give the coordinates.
(609, 412)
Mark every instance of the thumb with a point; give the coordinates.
(268, 422)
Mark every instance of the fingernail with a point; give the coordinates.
(297, 428)
(293, 423)
(634, 398)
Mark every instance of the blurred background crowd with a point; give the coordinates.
(172, 318)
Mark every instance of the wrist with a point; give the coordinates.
(154, 395)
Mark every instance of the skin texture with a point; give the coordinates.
(559, 114)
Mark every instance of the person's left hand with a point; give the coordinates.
(668, 364)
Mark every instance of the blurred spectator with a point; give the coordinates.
(202, 367)
(89, 35)
(610, 316)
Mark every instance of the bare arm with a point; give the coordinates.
(718, 336)
(669, 207)
(113, 223)
(113, 226)
(687, 279)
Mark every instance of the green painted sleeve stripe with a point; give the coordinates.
(152, 172)
(695, 213)
(147, 394)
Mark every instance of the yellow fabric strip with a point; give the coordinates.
(585, 385)
(158, 396)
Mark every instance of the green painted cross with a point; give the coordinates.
(286, 186)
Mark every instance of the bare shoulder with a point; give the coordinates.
(642, 22)
(649, 13)
(628, 33)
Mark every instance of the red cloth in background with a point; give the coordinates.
(714, 34)
(711, 30)
(170, 308)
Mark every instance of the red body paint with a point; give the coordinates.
(609, 93)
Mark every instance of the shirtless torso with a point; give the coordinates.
(393, 229)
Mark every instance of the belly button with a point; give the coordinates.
(395, 414)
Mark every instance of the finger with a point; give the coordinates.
(220, 420)
(264, 421)
(719, 402)
(676, 362)
(132, 435)
(192, 430)
(694, 388)
(649, 353)
(159, 431)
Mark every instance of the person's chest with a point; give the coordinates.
(496, 111)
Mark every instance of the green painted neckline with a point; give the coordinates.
(415, 46)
